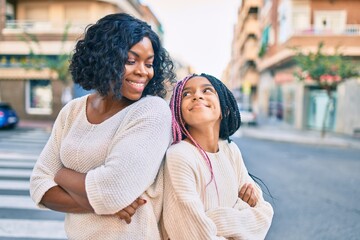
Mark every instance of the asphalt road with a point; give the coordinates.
(315, 189)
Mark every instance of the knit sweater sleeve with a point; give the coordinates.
(243, 221)
(134, 157)
(184, 216)
(48, 163)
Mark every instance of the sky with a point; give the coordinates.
(198, 32)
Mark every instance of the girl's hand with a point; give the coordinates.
(248, 194)
(129, 211)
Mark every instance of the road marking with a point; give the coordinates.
(10, 163)
(14, 185)
(22, 202)
(18, 156)
(13, 172)
(32, 229)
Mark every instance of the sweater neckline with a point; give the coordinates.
(220, 144)
(83, 112)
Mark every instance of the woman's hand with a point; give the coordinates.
(248, 194)
(129, 211)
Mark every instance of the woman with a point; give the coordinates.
(204, 171)
(106, 148)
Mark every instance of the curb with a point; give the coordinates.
(46, 125)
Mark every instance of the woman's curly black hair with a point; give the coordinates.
(98, 62)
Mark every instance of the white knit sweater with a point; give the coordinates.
(192, 211)
(121, 157)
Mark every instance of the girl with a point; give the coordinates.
(204, 171)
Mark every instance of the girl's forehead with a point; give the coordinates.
(196, 81)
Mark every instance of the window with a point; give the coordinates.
(39, 97)
(10, 13)
(37, 13)
(332, 22)
(301, 18)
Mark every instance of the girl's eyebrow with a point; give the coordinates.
(204, 85)
(137, 55)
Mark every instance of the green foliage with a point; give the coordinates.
(58, 64)
(326, 70)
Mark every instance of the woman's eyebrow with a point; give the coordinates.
(137, 55)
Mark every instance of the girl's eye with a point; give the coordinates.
(208, 90)
(149, 65)
(185, 94)
(130, 62)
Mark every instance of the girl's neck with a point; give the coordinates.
(207, 139)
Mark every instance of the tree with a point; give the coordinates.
(58, 64)
(327, 71)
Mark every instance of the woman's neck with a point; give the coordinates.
(207, 138)
(100, 108)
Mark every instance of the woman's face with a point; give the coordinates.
(138, 69)
(200, 103)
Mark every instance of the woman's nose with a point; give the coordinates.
(141, 70)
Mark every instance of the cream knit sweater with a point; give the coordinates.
(121, 157)
(192, 211)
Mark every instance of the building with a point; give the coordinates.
(37, 95)
(286, 24)
(242, 75)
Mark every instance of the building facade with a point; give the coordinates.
(38, 94)
(242, 75)
(303, 24)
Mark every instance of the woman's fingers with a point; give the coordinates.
(129, 211)
(122, 214)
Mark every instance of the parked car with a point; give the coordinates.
(8, 116)
(247, 115)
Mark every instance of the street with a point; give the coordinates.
(315, 189)
(19, 217)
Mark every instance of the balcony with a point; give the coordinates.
(19, 26)
(348, 30)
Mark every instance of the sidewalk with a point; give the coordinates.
(47, 125)
(281, 132)
(273, 131)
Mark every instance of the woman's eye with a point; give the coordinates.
(130, 62)
(149, 65)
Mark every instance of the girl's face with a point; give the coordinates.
(200, 103)
(138, 69)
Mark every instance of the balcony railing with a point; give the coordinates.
(16, 26)
(350, 29)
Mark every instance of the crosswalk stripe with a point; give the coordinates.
(14, 185)
(32, 229)
(22, 202)
(17, 156)
(11, 163)
(18, 172)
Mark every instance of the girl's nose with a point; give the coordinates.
(197, 95)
